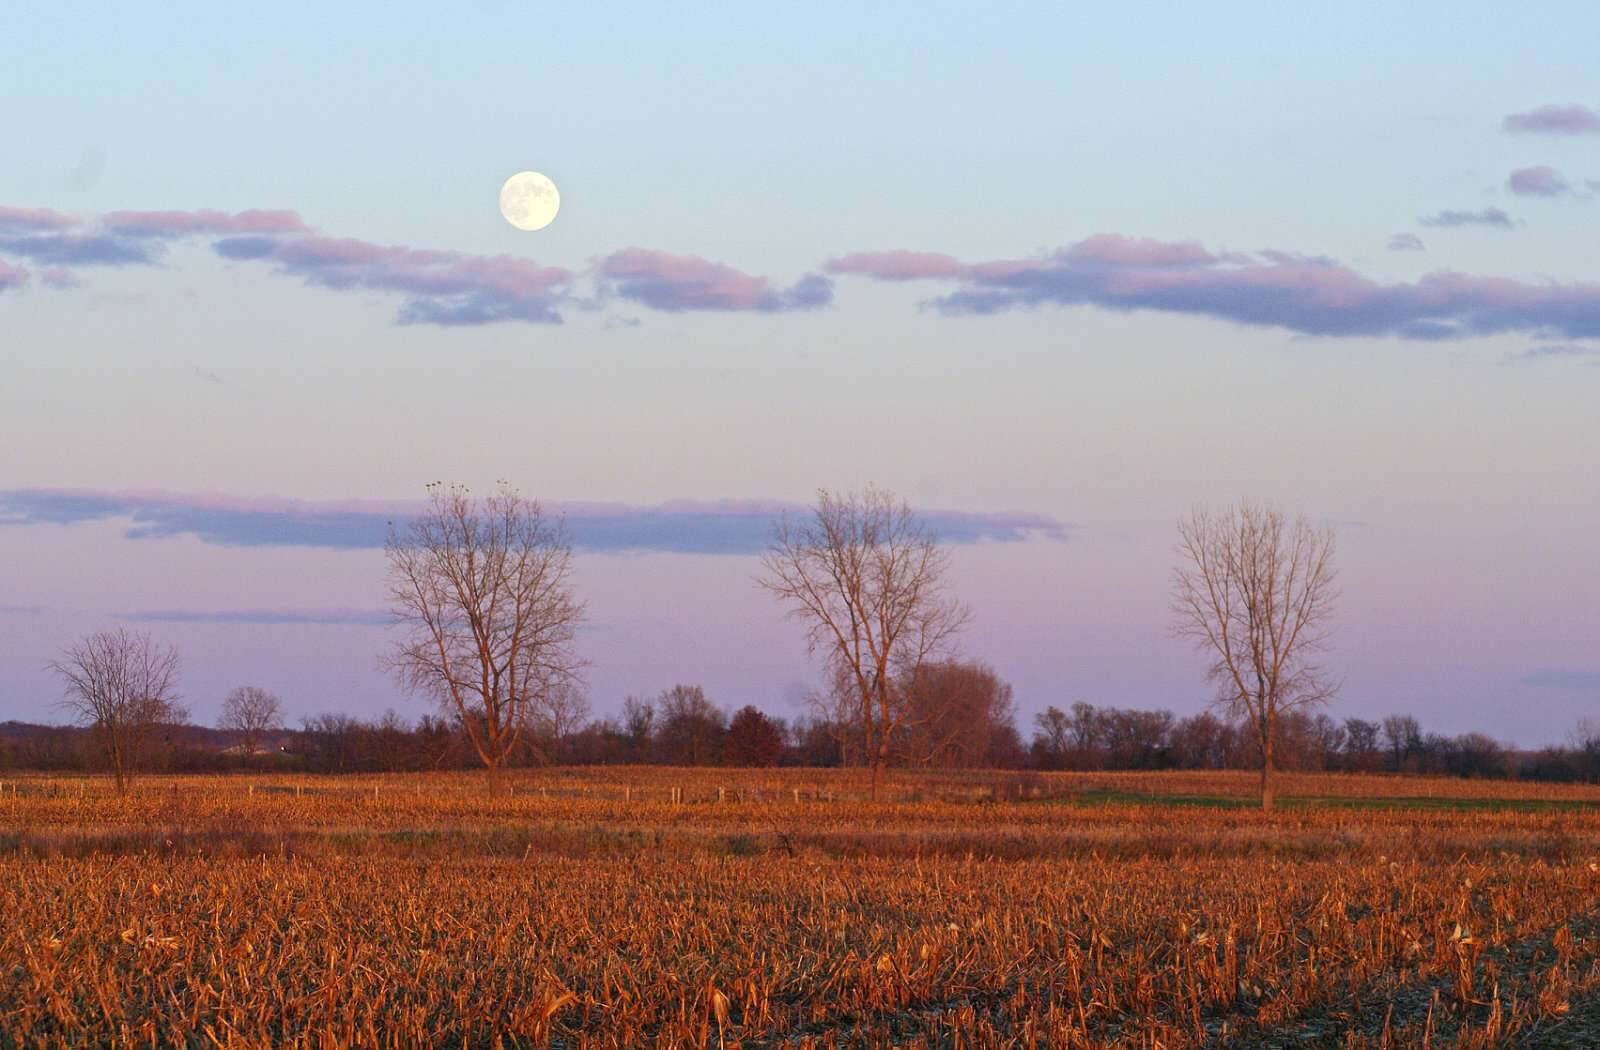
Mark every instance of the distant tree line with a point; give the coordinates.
(682, 726)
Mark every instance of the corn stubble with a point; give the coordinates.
(207, 916)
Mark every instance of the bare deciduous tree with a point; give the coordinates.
(484, 590)
(867, 578)
(1255, 591)
(252, 713)
(123, 685)
(559, 714)
(954, 708)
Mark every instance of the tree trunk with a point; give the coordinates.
(496, 781)
(880, 762)
(1266, 770)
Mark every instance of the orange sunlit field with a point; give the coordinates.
(782, 908)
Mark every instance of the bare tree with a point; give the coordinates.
(251, 713)
(559, 714)
(484, 591)
(954, 708)
(867, 578)
(1256, 591)
(123, 685)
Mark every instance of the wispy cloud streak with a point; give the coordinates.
(1453, 219)
(1555, 120)
(1556, 678)
(1303, 294)
(171, 224)
(267, 617)
(730, 527)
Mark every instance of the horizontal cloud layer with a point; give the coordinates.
(680, 527)
(442, 288)
(1306, 294)
(124, 238)
(1312, 296)
(1557, 120)
(663, 281)
(438, 287)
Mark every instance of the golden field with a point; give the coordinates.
(781, 908)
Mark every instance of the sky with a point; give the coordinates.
(1053, 274)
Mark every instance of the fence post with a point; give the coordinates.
(627, 793)
(722, 794)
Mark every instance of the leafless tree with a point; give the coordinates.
(954, 708)
(867, 579)
(123, 685)
(484, 591)
(1255, 591)
(251, 713)
(559, 714)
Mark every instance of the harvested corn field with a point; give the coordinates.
(588, 909)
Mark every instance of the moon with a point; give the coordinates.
(529, 201)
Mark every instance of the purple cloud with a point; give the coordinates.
(59, 277)
(679, 527)
(1538, 182)
(171, 224)
(125, 238)
(675, 283)
(1276, 289)
(1406, 242)
(900, 265)
(12, 276)
(1555, 120)
(1451, 218)
(78, 249)
(444, 288)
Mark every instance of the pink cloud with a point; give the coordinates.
(900, 265)
(59, 277)
(664, 281)
(34, 220)
(203, 221)
(1557, 120)
(11, 276)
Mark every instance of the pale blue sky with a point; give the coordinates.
(772, 140)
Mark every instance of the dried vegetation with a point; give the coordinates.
(588, 909)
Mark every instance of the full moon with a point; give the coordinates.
(529, 201)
